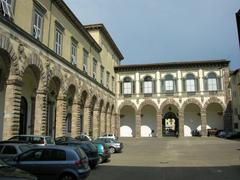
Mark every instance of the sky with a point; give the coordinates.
(156, 31)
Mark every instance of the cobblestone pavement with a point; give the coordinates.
(173, 158)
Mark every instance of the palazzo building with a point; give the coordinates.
(173, 98)
(56, 75)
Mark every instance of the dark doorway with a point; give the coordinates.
(23, 116)
(170, 124)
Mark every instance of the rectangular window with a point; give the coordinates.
(102, 74)
(74, 53)
(190, 85)
(107, 79)
(127, 88)
(58, 41)
(85, 60)
(94, 68)
(148, 87)
(7, 8)
(113, 84)
(169, 85)
(212, 84)
(37, 24)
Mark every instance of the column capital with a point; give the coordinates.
(15, 82)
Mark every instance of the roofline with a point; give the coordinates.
(103, 29)
(75, 21)
(172, 65)
(235, 71)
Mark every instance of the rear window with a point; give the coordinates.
(92, 146)
(36, 140)
(9, 150)
(49, 140)
(54, 155)
(80, 153)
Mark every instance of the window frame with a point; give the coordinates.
(94, 68)
(148, 85)
(85, 60)
(74, 45)
(58, 46)
(8, 11)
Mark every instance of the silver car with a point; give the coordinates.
(114, 145)
(33, 139)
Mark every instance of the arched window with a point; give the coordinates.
(212, 82)
(169, 83)
(148, 85)
(190, 83)
(127, 85)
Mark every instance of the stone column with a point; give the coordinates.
(40, 113)
(12, 108)
(108, 121)
(138, 125)
(204, 122)
(86, 116)
(137, 88)
(181, 123)
(179, 82)
(96, 119)
(75, 119)
(102, 123)
(159, 125)
(61, 114)
(117, 125)
(113, 123)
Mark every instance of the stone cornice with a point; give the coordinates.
(102, 28)
(173, 65)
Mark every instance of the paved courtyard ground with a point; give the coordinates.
(172, 158)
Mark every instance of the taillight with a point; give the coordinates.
(80, 162)
(105, 150)
(42, 141)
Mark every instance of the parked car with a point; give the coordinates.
(33, 139)
(88, 147)
(233, 135)
(10, 150)
(54, 162)
(103, 151)
(63, 139)
(222, 133)
(109, 136)
(83, 137)
(114, 145)
(11, 173)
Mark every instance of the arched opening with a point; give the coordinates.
(148, 121)
(53, 91)
(31, 79)
(92, 106)
(70, 99)
(170, 122)
(82, 105)
(23, 116)
(99, 117)
(4, 73)
(127, 122)
(215, 116)
(106, 118)
(192, 120)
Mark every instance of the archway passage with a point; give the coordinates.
(127, 122)
(23, 116)
(192, 120)
(148, 121)
(170, 122)
(215, 116)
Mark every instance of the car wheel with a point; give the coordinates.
(112, 150)
(68, 177)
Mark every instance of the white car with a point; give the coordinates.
(109, 136)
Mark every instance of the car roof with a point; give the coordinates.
(29, 136)
(15, 144)
(55, 147)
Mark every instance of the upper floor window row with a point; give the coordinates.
(169, 84)
(6, 8)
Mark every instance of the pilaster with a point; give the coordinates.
(61, 114)
(138, 125)
(159, 125)
(181, 123)
(75, 119)
(204, 123)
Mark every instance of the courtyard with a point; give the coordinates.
(173, 158)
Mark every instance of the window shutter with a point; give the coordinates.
(133, 87)
(141, 86)
(184, 85)
(205, 84)
(121, 87)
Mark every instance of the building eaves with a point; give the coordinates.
(102, 28)
(75, 21)
(173, 65)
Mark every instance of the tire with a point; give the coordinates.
(67, 177)
(112, 150)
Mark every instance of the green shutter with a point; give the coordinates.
(121, 87)
(133, 87)
(184, 85)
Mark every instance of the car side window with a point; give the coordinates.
(34, 155)
(9, 150)
(53, 155)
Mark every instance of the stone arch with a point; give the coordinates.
(214, 100)
(6, 45)
(191, 101)
(147, 102)
(127, 103)
(169, 101)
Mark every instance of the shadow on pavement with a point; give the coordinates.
(165, 173)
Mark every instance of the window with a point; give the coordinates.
(127, 85)
(58, 41)
(85, 60)
(107, 79)
(113, 84)
(102, 74)
(94, 68)
(148, 85)
(74, 53)
(212, 82)
(9, 150)
(169, 83)
(7, 7)
(38, 14)
(190, 83)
